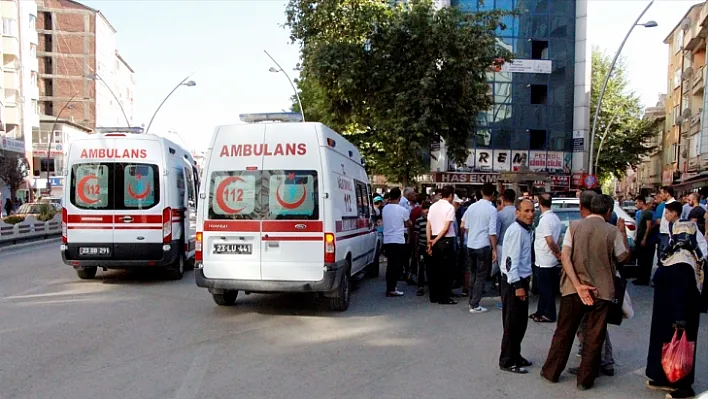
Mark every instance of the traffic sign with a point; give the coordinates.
(590, 181)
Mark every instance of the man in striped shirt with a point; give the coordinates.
(421, 241)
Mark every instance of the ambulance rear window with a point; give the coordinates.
(292, 195)
(115, 186)
(235, 195)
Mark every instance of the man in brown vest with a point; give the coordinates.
(590, 249)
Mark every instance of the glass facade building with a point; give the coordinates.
(531, 121)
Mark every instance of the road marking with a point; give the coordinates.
(194, 378)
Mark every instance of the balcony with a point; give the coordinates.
(696, 123)
(698, 81)
(12, 114)
(12, 79)
(10, 46)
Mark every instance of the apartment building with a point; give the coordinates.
(83, 80)
(18, 87)
(647, 178)
(685, 142)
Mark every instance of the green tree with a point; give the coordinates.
(627, 138)
(12, 171)
(395, 78)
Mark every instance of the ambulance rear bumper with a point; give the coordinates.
(142, 255)
(329, 282)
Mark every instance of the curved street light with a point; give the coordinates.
(51, 139)
(649, 24)
(96, 76)
(280, 69)
(184, 82)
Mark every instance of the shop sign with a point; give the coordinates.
(578, 141)
(667, 177)
(556, 181)
(12, 145)
(527, 66)
(542, 160)
(466, 178)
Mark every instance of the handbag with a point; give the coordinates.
(627, 308)
(677, 356)
(616, 314)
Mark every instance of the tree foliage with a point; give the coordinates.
(628, 136)
(395, 77)
(12, 171)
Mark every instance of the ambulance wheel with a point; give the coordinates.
(86, 273)
(227, 298)
(176, 270)
(340, 301)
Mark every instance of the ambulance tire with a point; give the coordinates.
(176, 270)
(340, 301)
(226, 298)
(86, 273)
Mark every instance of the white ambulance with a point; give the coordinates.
(286, 208)
(130, 201)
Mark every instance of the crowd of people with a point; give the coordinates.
(513, 244)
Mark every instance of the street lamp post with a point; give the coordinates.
(184, 82)
(280, 69)
(51, 138)
(96, 76)
(649, 24)
(602, 140)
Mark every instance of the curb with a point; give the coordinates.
(8, 246)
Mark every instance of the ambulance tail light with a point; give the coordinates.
(167, 226)
(198, 257)
(330, 250)
(64, 226)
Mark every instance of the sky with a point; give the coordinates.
(222, 43)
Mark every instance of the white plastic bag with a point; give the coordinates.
(627, 308)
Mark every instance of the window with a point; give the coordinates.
(48, 66)
(115, 186)
(46, 165)
(9, 27)
(539, 94)
(267, 195)
(292, 195)
(35, 107)
(181, 188)
(47, 108)
(33, 78)
(539, 49)
(33, 50)
(191, 196)
(90, 186)
(48, 87)
(233, 195)
(32, 22)
(362, 201)
(538, 139)
(676, 114)
(48, 43)
(678, 41)
(47, 17)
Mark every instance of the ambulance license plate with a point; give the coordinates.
(94, 251)
(233, 249)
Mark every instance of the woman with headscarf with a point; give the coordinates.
(677, 299)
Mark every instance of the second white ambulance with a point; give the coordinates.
(130, 201)
(287, 208)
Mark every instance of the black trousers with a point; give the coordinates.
(548, 279)
(396, 254)
(645, 261)
(439, 270)
(571, 314)
(423, 259)
(514, 320)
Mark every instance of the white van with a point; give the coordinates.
(286, 208)
(129, 201)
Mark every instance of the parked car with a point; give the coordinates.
(630, 207)
(629, 223)
(29, 209)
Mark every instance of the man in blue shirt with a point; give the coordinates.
(516, 269)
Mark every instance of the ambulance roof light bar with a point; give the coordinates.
(271, 117)
(131, 130)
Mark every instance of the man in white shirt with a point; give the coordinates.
(548, 254)
(395, 223)
(667, 195)
(441, 240)
(480, 221)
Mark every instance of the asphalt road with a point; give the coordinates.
(136, 335)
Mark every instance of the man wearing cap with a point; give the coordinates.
(480, 222)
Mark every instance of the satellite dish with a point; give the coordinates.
(688, 72)
(686, 24)
(686, 113)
